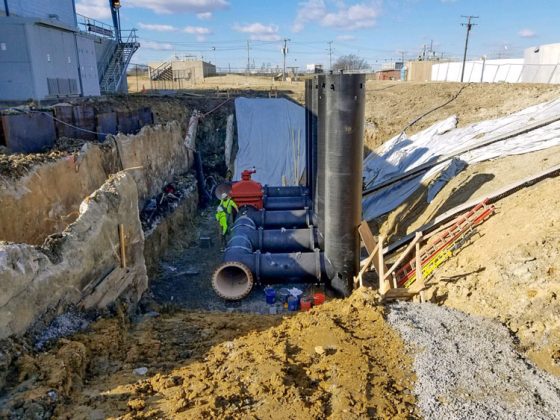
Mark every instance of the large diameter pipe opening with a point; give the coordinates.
(232, 280)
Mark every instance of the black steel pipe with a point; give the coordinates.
(314, 119)
(204, 196)
(286, 203)
(291, 191)
(235, 277)
(342, 122)
(319, 188)
(308, 134)
(277, 240)
(279, 219)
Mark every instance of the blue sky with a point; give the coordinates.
(377, 30)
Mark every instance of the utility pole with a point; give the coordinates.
(330, 55)
(248, 58)
(469, 26)
(284, 52)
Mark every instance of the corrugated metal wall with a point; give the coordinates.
(42, 9)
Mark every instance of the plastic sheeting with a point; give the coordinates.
(271, 138)
(403, 153)
(488, 71)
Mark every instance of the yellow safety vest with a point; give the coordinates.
(228, 204)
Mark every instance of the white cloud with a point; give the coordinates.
(199, 31)
(348, 17)
(157, 27)
(95, 9)
(151, 45)
(345, 37)
(204, 16)
(259, 31)
(180, 6)
(527, 33)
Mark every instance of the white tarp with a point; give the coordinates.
(487, 71)
(401, 154)
(271, 138)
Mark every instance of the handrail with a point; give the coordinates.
(88, 23)
(159, 70)
(131, 40)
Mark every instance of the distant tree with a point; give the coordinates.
(350, 62)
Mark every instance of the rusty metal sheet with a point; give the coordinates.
(65, 114)
(106, 124)
(29, 133)
(84, 117)
(146, 117)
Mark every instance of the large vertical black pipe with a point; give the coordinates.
(313, 119)
(308, 147)
(342, 122)
(319, 189)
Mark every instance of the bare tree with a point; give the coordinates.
(350, 62)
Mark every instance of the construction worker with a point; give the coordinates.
(221, 217)
(228, 205)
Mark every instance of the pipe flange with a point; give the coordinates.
(232, 280)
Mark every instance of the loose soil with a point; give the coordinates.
(341, 360)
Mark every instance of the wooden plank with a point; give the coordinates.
(367, 237)
(368, 261)
(399, 293)
(383, 284)
(404, 254)
(123, 246)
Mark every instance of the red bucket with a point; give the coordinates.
(318, 299)
(305, 303)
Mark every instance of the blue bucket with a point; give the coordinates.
(270, 295)
(293, 303)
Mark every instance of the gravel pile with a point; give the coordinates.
(468, 368)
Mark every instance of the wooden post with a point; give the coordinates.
(418, 263)
(123, 246)
(367, 237)
(384, 286)
(404, 254)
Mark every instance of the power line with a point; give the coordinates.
(330, 55)
(469, 26)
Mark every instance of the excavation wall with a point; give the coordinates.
(60, 224)
(47, 199)
(82, 265)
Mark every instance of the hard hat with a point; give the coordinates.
(224, 196)
(219, 209)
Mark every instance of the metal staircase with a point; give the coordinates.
(114, 68)
(162, 72)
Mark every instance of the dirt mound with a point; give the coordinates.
(339, 360)
(511, 272)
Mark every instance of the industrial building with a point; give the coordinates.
(181, 70)
(47, 51)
